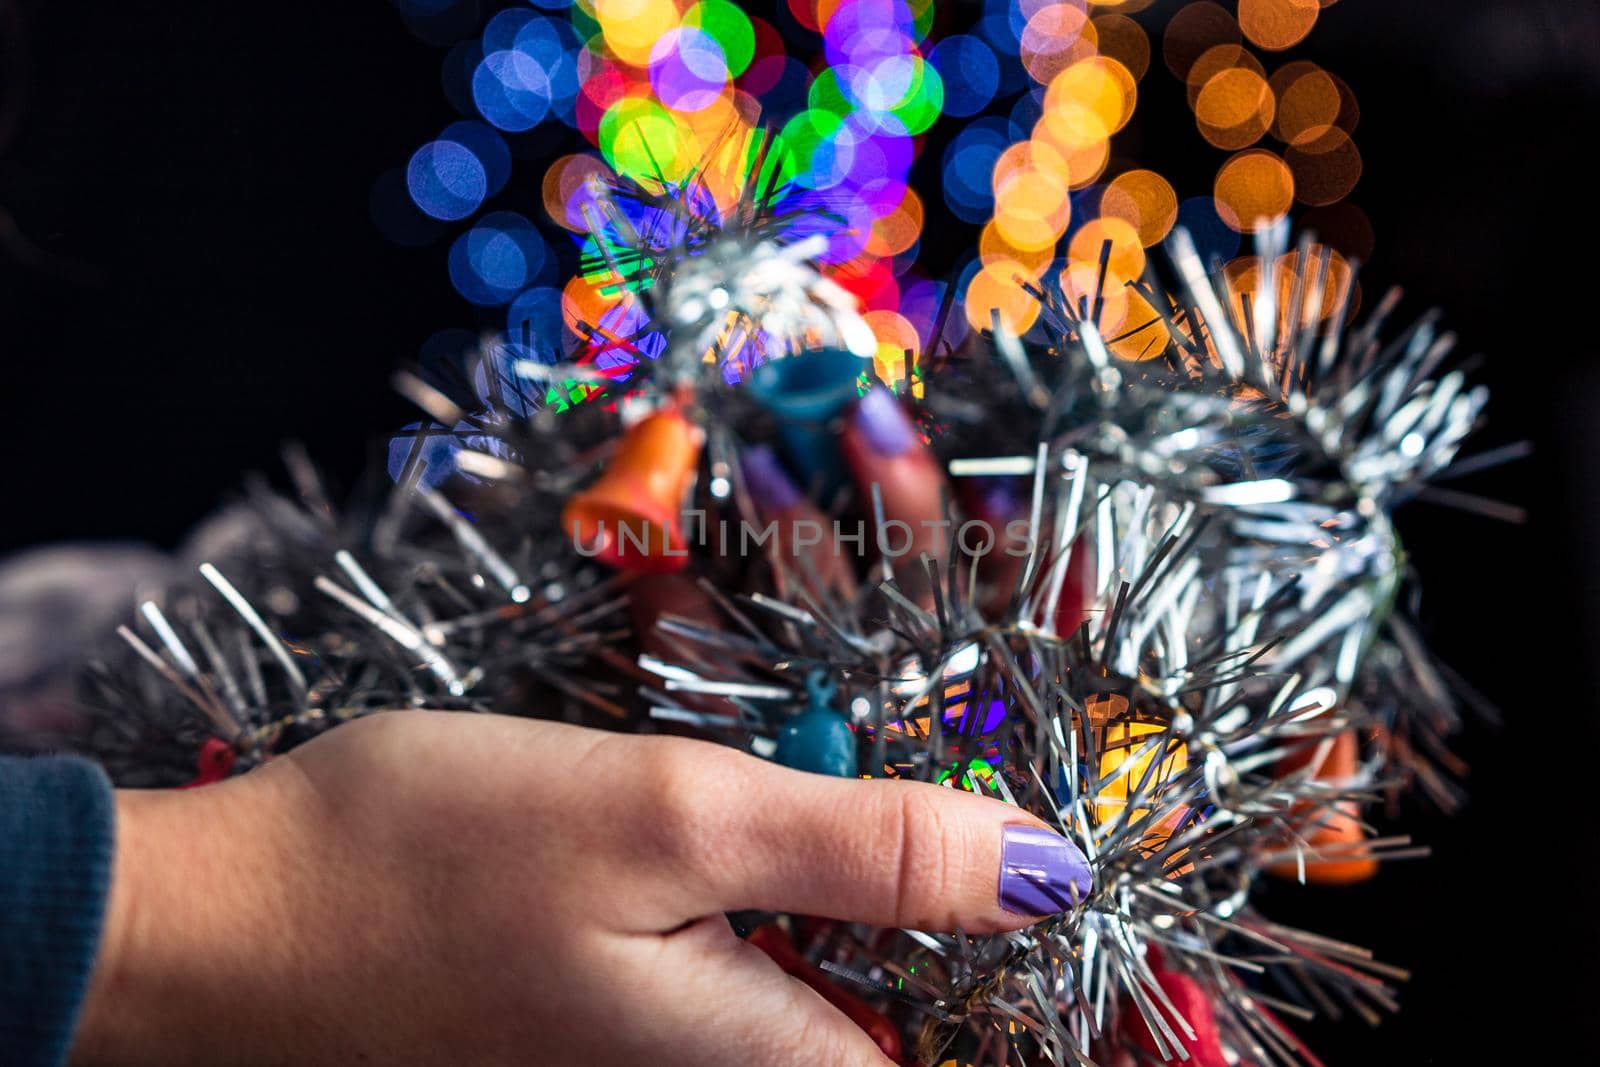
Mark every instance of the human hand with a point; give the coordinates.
(434, 888)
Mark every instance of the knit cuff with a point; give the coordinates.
(57, 839)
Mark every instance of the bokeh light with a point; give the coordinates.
(1087, 71)
(1235, 108)
(969, 163)
(897, 339)
(805, 13)
(1032, 207)
(497, 258)
(638, 135)
(970, 73)
(1054, 38)
(1097, 94)
(447, 180)
(1251, 187)
(1084, 288)
(1124, 40)
(1322, 272)
(1126, 251)
(424, 453)
(731, 29)
(1142, 334)
(1143, 199)
(994, 290)
(533, 322)
(631, 28)
(994, 250)
(585, 301)
(673, 94)
(512, 90)
(489, 148)
(566, 188)
(1277, 24)
(1325, 169)
(897, 231)
(1308, 102)
(688, 70)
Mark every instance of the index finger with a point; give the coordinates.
(740, 833)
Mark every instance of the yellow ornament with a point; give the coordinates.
(1126, 754)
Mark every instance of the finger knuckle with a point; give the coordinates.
(679, 786)
(929, 846)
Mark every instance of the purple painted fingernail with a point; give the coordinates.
(882, 421)
(1041, 872)
(768, 484)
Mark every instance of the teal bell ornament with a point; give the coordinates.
(819, 739)
(807, 393)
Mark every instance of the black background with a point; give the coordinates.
(189, 276)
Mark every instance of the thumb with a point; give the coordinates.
(772, 1018)
(889, 853)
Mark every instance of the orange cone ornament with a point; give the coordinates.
(1335, 831)
(630, 518)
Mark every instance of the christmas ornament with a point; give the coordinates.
(807, 395)
(630, 517)
(818, 739)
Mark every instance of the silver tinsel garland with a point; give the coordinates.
(1226, 509)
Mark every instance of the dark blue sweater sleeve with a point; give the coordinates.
(56, 847)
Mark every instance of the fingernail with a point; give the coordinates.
(883, 423)
(1041, 873)
(768, 484)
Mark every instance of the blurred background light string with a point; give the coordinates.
(665, 91)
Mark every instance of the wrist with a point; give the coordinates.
(96, 1038)
(184, 905)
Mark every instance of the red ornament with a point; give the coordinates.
(215, 760)
(775, 943)
(1190, 999)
